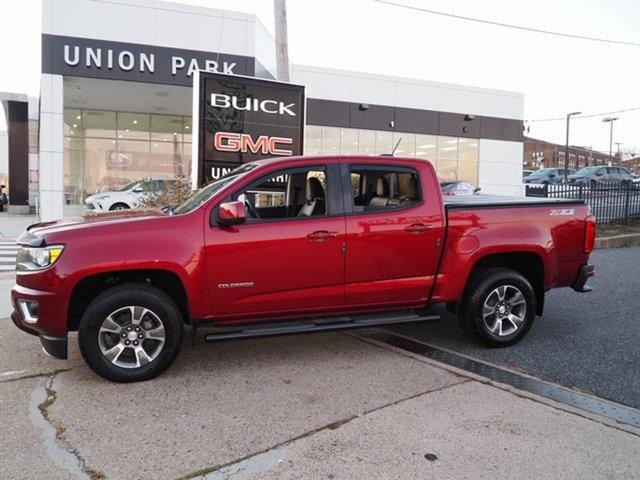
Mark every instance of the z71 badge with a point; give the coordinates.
(562, 211)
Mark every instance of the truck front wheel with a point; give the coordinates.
(498, 307)
(130, 332)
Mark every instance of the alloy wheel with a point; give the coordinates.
(131, 337)
(504, 310)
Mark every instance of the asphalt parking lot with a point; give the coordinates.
(586, 341)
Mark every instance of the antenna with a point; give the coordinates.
(392, 151)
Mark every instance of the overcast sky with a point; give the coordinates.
(557, 75)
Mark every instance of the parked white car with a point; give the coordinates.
(128, 196)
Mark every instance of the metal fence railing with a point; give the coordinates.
(609, 202)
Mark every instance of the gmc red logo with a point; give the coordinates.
(242, 142)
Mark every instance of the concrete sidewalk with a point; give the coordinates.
(315, 406)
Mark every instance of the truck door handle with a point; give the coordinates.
(321, 235)
(417, 228)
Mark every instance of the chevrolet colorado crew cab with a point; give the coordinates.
(295, 245)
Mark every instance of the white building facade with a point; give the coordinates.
(116, 93)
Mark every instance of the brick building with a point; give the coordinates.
(541, 154)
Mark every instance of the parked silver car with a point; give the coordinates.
(597, 175)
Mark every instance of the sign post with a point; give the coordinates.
(239, 119)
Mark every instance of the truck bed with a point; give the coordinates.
(473, 201)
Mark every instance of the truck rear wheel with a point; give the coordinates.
(130, 332)
(498, 307)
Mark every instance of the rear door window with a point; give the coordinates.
(388, 188)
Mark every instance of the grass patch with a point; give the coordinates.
(95, 474)
(613, 229)
(202, 472)
(47, 402)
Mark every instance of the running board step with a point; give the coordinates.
(320, 325)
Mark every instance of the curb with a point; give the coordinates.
(627, 240)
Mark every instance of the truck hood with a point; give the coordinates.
(35, 234)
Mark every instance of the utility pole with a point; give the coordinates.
(282, 47)
(566, 149)
(610, 120)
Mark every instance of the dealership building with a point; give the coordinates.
(116, 104)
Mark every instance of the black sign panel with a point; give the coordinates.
(242, 119)
(86, 57)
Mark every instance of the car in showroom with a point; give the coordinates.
(598, 175)
(458, 188)
(548, 176)
(126, 197)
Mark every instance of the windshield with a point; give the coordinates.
(541, 173)
(587, 171)
(205, 193)
(128, 186)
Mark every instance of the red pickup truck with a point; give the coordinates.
(295, 245)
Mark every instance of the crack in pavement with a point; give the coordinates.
(57, 447)
(253, 462)
(52, 373)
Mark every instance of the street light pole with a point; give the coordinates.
(566, 149)
(610, 120)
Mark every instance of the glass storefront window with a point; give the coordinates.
(331, 140)
(407, 145)
(105, 150)
(384, 143)
(73, 175)
(468, 171)
(187, 126)
(99, 157)
(133, 126)
(98, 123)
(468, 149)
(447, 148)
(367, 142)
(426, 147)
(72, 123)
(313, 140)
(133, 158)
(348, 141)
(166, 128)
(99, 165)
(165, 160)
(447, 170)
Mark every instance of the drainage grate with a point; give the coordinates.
(615, 412)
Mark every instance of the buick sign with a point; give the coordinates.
(240, 119)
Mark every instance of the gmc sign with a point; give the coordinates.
(242, 142)
(241, 119)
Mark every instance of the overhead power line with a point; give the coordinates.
(507, 25)
(564, 118)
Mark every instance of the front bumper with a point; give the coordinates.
(53, 346)
(585, 273)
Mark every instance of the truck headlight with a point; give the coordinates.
(37, 258)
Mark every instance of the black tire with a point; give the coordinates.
(479, 289)
(119, 206)
(120, 297)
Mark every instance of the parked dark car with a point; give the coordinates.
(548, 176)
(596, 175)
(458, 188)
